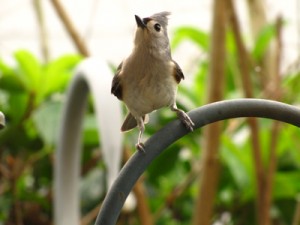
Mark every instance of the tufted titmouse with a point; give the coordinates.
(147, 80)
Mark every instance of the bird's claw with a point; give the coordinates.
(140, 147)
(186, 120)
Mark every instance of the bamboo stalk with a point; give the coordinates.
(257, 15)
(277, 93)
(70, 28)
(296, 218)
(90, 217)
(179, 189)
(42, 29)
(258, 20)
(210, 161)
(253, 124)
(142, 204)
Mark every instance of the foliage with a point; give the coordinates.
(237, 187)
(31, 96)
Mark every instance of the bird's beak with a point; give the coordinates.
(140, 22)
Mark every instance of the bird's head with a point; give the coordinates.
(152, 31)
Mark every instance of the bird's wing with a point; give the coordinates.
(178, 74)
(116, 87)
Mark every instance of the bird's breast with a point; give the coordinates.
(149, 86)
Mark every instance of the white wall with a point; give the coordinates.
(108, 25)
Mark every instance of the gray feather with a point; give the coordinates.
(161, 17)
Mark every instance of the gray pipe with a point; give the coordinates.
(92, 76)
(202, 116)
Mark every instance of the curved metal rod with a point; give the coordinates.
(92, 75)
(68, 153)
(202, 116)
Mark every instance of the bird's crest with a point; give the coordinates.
(161, 17)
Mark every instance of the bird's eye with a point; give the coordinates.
(157, 27)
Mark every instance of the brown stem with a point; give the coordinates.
(210, 161)
(296, 218)
(257, 15)
(243, 60)
(70, 27)
(142, 204)
(258, 20)
(179, 189)
(139, 192)
(16, 168)
(90, 217)
(92, 162)
(276, 90)
(42, 29)
(243, 57)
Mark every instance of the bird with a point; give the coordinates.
(148, 78)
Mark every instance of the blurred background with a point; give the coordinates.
(242, 171)
(28, 24)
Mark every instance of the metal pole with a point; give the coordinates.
(202, 116)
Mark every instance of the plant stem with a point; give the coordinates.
(253, 124)
(89, 217)
(277, 94)
(210, 160)
(37, 4)
(70, 27)
(296, 219)
(179, 189)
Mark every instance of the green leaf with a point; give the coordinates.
(90, 130)
(163, 164)
(230, 43)
(197, 36)
(11, 84)
(58, 73)
(291, 85)
(263, 41)
(237, 161)
(8, 79)
(5, 69)
(199, 83)
(18, 104)
(30, 70)
(46, 119)
(286, 184)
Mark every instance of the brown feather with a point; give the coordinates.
(116, 87)
(178, 74)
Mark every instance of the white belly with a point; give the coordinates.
(148, 87)
(141, 101)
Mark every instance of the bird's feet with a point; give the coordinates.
(186, 120)
(140, 147)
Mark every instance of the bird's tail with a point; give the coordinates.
(130, 122)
